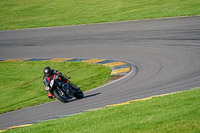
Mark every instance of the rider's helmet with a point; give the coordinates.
(47, 71)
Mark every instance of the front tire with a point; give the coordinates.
(60, 95)
(79, 94)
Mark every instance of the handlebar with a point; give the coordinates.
(67, 76)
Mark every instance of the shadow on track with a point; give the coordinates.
(88, 96)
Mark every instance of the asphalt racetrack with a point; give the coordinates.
(165, 51)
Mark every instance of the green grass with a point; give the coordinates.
(21, 84)
(176, 113)
(15, 14)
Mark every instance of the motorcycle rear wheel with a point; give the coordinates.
(60, 95)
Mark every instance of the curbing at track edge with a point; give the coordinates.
(118, 67)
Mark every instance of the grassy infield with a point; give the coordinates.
(22, 84)
(172, 113)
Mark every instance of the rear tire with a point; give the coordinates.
(60, 95)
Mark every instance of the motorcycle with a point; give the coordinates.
(65, 91)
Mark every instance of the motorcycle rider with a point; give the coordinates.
(52, 74)
(49, 75)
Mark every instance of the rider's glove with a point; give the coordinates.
(59, 74)
(55, 71)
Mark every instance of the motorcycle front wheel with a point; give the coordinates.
(79, 94)
(60, 95)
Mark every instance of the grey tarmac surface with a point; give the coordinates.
(165, 51)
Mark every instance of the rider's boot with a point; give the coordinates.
(51, 96)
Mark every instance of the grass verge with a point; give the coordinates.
(15, 14)
(21, 83)
(171, 113)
